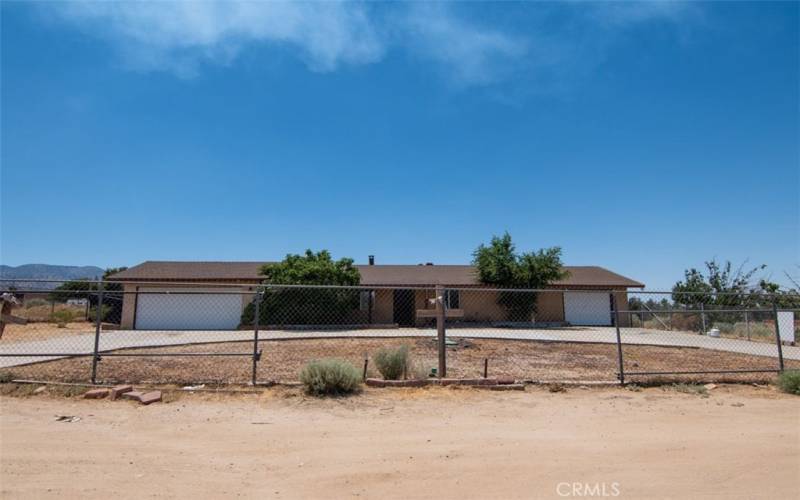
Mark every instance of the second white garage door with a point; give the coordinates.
(188, 311)
(587, 308)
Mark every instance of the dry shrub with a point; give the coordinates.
(687, 322)
(330, 377)
(392, 363)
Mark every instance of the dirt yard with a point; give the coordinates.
(525, 360)
(736, 442)
(44, 331)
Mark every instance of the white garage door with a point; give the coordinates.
(188, 311)
(587, 308)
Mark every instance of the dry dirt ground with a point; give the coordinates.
(282, 361)
(736, 442)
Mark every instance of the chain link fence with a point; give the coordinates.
(239, 333)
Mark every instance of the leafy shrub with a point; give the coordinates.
(392, 363)
(789, 382)
(725, 328)
(62, 317)
(105, 313)
(330, 377)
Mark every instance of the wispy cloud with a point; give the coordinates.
(180, 36)
(470, 54)
(183, 36)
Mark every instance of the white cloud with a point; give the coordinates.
(469, 54)
(179, 36)
(182, 36)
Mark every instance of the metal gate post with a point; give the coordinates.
(778, 335)
(98, 318)
(440, 331)
(620, 361)
(256, 323)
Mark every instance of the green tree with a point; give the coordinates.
(499, 264)
(307, 306)
(722, 285)
(782, 297)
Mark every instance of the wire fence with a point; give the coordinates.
(235, 333)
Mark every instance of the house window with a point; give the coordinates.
(365, 298)
(451, 299)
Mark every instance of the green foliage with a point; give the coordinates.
(720, 286)
(392, 363)
(499, 264)
(307, 306)
(330, 377)
(784, 299)
(6, 377)
(62, 317)
(105, 313)
(789, 382)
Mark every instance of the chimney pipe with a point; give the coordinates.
(371, 260)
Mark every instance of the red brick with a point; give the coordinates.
(449, 381)
(96, 394)
(416, 382)
(478, 381)
(134, 395)
(119, 391)
(505, 380)
(375, 382)
(150, 397)
(507, 387)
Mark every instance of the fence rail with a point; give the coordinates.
(256, 333)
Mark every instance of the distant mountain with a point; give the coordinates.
(20, 275)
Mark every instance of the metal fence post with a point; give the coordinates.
(98, 318)
(703, 317)
(256, 323)
(621, 364)
(778, 336)
(440, 331)
(747, 324)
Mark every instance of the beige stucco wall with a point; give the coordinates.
(128, 306)
(478, 305)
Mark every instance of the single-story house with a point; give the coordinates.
(197, 301)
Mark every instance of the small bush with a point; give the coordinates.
(687, 322)
(35, 303)
(62, 317)
(392, 363)
(330, 377)
(6, 377)
(789, 382)
(104, 313)
(690, 388)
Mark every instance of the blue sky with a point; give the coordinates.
(643, 137)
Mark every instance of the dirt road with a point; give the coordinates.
(433, 443)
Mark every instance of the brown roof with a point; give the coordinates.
(399, 275)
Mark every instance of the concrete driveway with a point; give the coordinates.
(61, 347)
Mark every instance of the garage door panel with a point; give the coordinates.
(587, 308)
(188, 311)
